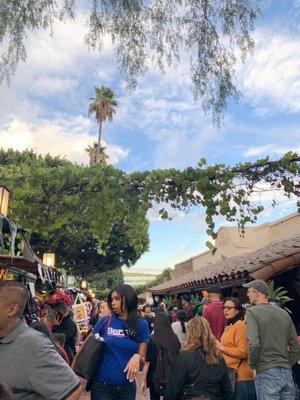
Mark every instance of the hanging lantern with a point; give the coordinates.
(4, 197)
(83, 284)
(49, 259)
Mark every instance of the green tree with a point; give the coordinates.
(103, 282)
(89, 216)
(92, 152)
(161, 32)
(103, 210)
(103, 107)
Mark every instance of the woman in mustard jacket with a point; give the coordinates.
(233, 345)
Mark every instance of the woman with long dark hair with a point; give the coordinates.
(126, 337)
(179, 327)
(163, 347)
(199, 371)
(233, 345)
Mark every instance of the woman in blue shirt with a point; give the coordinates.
(126, 337)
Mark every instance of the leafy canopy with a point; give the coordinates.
(210, 34)
(88, 215)
(95, 217)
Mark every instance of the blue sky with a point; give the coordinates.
(159, 125)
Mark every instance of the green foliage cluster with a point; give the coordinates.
(278, 293)
(160, 32)
(103, 282)
(95, 218)
(89, 216)
(222, 190)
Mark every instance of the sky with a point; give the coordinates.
(159, 125)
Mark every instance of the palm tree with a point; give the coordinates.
(92, 152)
(103, 107)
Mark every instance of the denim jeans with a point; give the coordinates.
(245, 390)
(104, 391)
(275, 384)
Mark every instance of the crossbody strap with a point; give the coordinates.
(107, 322)
(199, 376)
(239, 364)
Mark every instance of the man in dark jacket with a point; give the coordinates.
(67, 326)
(187, 307)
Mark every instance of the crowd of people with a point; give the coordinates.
(217, 351)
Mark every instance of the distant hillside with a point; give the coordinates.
(136, 278)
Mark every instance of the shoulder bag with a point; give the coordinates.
(232, 373)
(88, 359)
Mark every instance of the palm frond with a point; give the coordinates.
(279, 293)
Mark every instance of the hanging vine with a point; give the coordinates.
(73, 207)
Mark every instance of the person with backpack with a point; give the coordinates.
(199, 372)
(162, 349)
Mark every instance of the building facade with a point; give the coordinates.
(230, 243)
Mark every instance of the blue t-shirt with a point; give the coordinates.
(119, 348)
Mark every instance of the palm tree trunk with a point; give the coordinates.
(99, 142)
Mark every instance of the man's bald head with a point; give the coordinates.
(14, 293)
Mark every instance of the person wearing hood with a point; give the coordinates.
(162, 349)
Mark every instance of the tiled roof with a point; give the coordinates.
(232, 269)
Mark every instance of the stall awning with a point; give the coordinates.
(262, 263)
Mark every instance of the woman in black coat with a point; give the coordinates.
(162, 349)
(199, 371)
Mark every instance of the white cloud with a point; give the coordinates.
(66, 137)
(273, 73)
(59, 62)
(47, 86)
(270, 149)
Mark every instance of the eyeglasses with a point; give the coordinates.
(227, 308)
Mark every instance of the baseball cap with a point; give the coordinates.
(214, 289)
(186, 297)
(259, 285)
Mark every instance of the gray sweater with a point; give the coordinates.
(272, 340)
